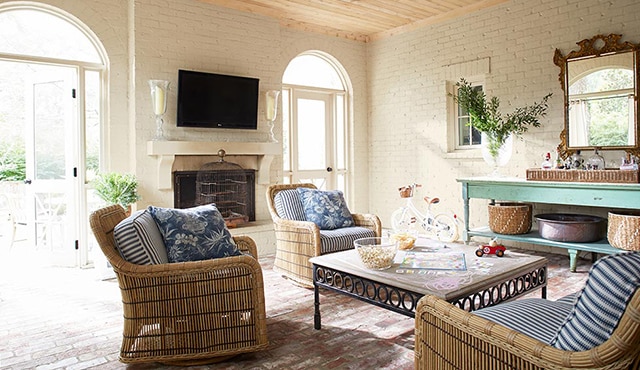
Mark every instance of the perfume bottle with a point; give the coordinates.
(577, 161)
(596, 161)
(559, 161)
(546, 164)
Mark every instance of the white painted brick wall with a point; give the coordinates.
(407, 96)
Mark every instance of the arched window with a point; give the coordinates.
(315, 121)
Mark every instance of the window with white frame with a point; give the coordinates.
(466, 136)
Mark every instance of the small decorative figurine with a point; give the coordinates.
(546, 164)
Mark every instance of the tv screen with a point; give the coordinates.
(215, 100)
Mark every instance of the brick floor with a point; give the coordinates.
(57, 318)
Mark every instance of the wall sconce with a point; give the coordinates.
(272, 110)
(159, 90)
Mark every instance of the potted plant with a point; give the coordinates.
(497, 129)
(117, 188)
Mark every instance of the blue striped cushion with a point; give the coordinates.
(536, 317)
(288, 205)
(342, 239)
(611, 283)
(139, 241)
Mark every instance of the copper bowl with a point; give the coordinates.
(571, 228)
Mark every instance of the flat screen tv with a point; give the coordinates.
(217, 101)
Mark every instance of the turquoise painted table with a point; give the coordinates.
(606, 195)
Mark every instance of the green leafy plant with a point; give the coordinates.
(12, 162)
(485, 115)
(117, 188)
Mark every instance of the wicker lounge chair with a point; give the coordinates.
(298, 240)
(447, 337)
(186, 313)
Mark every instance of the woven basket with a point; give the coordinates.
(510, 218)
(624, 230)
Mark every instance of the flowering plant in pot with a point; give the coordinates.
(497, 129)
(117, 188)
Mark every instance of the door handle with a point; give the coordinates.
(27, 181)
(329, 169)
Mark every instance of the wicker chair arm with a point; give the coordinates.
(369, 221)
(305, 233)
(486, 344)
(246, 245)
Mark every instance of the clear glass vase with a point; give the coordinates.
(496, 154)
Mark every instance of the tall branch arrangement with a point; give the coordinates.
(485, 115)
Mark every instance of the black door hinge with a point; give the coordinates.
(77, 245)
(73, 93)
(75, 171)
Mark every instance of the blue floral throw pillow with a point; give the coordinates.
(194, 234)
(327, 209)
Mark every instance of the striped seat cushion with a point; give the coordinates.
(342, 239)
(288, 205)
(536, 317)
(611, 283)
(139, 241)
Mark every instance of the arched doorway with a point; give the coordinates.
(315, 99)
(52, 73)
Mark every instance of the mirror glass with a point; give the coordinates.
(600, 87)
(601, 101)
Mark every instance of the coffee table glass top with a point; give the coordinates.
(447, 270)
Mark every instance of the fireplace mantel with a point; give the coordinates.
(166, 151)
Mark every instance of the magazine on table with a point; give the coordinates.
(416, 260)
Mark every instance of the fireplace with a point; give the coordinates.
(230, 187)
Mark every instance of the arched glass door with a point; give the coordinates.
(51, 68)
(314, 122)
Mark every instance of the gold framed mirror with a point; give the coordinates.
(600, 89)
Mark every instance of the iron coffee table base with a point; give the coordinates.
(404, 301)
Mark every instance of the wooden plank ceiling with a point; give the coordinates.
(361, 20)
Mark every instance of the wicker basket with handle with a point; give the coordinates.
(510, 218)
(624, 230)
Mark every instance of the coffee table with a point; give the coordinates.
(469, 282)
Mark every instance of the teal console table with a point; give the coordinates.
(612, 196)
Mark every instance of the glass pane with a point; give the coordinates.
(34, 32)
(286, 129)
(49, 130)
(311, 70)
(603, 80)
(467, 135)
(311, 134)
(92, 124)
(320, 183)
(341, 182)
(341, 133)
(12, 117)
(606, 120)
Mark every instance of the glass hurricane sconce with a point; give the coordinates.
(159, 89)
(272, 111)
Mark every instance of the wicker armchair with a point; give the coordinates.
(297, 241)
(447, 337)
(186, 313)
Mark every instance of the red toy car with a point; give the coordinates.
(497, 249)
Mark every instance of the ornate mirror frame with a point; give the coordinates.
(597, 46)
